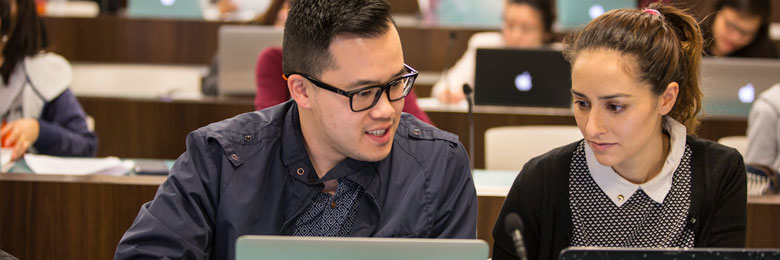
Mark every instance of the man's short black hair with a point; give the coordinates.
(312, 24)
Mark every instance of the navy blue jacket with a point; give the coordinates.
(63, 129)
(241, 176)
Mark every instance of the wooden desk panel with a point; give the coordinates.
(123, 40)
(69, 217)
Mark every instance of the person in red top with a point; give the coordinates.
(272, 88)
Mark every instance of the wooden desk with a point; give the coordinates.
(84, 217)
(122, 40)
(69, 217)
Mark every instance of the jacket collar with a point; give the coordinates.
(296, 158)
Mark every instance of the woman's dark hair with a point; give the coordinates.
(312, 24)
(666, 44)
(270, 15)
(761, 46)
(544, 7)
(25, 32)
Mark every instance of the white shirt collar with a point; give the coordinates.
(619, 190)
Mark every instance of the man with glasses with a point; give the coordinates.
(340, 159)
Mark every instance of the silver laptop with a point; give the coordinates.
(238, 49)
(595, 253)
(286, 247)
(730, 85)
(575, 13)
(178, 9)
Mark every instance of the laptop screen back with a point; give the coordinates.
(320, 248)
(522, 77)
(730, 85)
(238, 48)
(575, 13)
(179, 9)
(592, 253)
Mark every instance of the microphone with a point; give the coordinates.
(514, 228)
(467, 91)
(447, 57)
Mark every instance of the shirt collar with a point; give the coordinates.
(619, 190)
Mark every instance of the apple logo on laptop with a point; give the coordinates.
(167, 2)
(523, 81)
(595, 11)
(747, 94)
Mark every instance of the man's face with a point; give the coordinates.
(358, 62)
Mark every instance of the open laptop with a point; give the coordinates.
(593, 253)
(575, 13)
(522, 77)
(320, 248)
(730, 85)
(238, 49)
(178, 9)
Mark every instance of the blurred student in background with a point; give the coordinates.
(763, 130)
(526, 24)
(39, 113)
(739, 28)
(272, 88)
(639, 178)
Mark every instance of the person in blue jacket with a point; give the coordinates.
(339, 159)
(39, 113)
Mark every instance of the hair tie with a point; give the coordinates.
(652, 11)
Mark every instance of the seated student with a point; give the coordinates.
(638, 179)
(739, 28)
(527, 24)
(272, 88)
(339, 159)
(763, 130)
(39, 113)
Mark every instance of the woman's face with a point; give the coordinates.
(523, 26)
(281, 16)
(733, 30)
(617, 114)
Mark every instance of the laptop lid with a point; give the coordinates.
(180, 9)
(730, 85)
(593, 253)
(575, 13)
(320, 248)
(238, 49)
(522, 77)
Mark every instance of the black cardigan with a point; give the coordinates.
(540, 195)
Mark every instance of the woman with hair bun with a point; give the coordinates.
(639, 178)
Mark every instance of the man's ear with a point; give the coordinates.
(668, 98)
(299, 90)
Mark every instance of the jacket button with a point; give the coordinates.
(693, 220)
(300, 171)
(416, 132)
(234, 157)
(247, 138)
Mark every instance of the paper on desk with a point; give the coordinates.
(76, 166)
(5, 156)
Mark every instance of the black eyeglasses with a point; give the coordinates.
(365, 98)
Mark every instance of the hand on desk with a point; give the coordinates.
(450, 96)
(19, 135)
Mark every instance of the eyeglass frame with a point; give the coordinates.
(384, 88)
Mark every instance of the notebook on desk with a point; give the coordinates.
(730, 85)
(320, 248)
(238, 49)
(522, 77)
(179, 9)
(593, 253)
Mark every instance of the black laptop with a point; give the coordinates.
(522, 77)
(594, 253)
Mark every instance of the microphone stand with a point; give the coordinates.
(467, 90)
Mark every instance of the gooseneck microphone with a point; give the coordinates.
(514, 228)
(467, 91)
